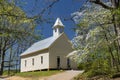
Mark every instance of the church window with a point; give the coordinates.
(25, 63)
(41, 59)
(33, 61)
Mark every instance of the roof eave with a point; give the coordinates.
(34, 52)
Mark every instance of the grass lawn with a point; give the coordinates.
(38, 73)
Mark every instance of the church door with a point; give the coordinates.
(68, 63)
(58, 62)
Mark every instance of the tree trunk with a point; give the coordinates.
(9, 66)
(114, 60)
(2, 62)
(117, 33)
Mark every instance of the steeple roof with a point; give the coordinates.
(58, 23)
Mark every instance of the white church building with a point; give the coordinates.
(50, 53)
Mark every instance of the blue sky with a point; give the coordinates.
(62, 9)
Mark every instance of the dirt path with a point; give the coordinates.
(67, 75)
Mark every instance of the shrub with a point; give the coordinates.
(81, 66)
(116, 75)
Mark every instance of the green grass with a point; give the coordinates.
(38, 73)
(5, 73)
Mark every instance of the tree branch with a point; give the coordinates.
(99, 2)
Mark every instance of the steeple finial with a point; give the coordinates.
(58, 23)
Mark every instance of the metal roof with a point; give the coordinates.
(40, 45)
(72, 53)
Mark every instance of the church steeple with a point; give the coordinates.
(58, 28)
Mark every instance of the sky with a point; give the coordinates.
(62, 9)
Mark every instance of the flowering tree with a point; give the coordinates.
(96, 40)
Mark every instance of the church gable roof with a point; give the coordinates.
(40, 45)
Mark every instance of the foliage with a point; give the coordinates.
(95, 41)
(81, 66)
(116, 75)
(17, 31)
(5, 73)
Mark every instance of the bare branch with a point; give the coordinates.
(99, 2)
